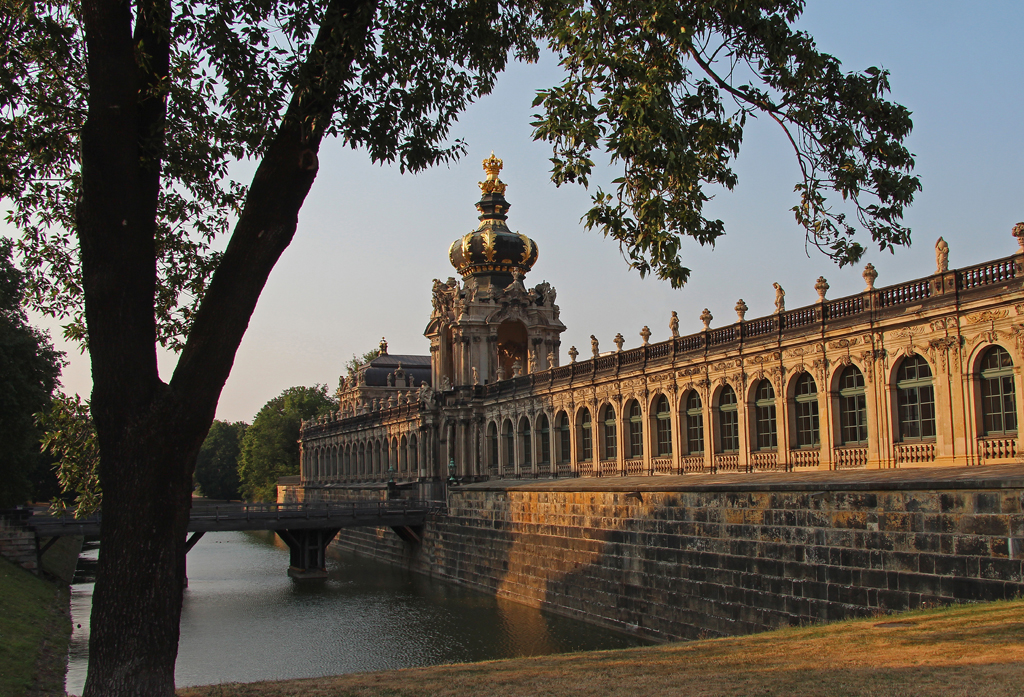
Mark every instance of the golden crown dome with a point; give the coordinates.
(492, 249)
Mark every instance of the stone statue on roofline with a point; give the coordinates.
(673, 325)
(941, 256)
(780, 299)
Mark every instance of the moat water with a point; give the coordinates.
(244, 619)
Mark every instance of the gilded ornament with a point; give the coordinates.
(492, 185)
(527, 247)
(488, 239)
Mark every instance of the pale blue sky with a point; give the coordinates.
(370, 240)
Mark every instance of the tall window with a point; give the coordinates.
(663, 415)
(807, 432)
(853, 407)
(509, 435)
(728, 420)
(611, 442)
(916, 399)
(998, 397)
(636, 431)
(492, 444)
(564, 446)
(695, 423)
(586, 448)
(764, 416)
(414, 453)
(543, 428)
(527, 445)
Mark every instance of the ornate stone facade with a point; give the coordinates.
(922, 373)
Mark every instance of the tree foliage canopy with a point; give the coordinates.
(270, 447)
(394, 77)
(70, 437)
(663, 87)
(29, 372)
(218, 460)
(352, 364)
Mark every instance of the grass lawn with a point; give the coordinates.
(34, 633)
(975, 650)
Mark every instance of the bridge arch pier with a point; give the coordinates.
(308, 548)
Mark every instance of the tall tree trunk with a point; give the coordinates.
(150, 432)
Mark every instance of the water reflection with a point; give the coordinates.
(244, 619)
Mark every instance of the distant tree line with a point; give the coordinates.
(242, 461)
(29, 374)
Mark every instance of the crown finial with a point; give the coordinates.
(492, 185)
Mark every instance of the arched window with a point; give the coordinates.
(663, 416)
(564, 446)
(728, 420)
(636, 431)
(853, 407)
(806, 398)
(526, 443)
(414, 454)
(611, 442)
(544, 430)
(362, 459)
(695, 423)
(586, 445)
(403, 455)
(915, 399)
(998, 397)
(510, 443)
(492, 444)
(764, 416)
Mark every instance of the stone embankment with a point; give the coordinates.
(18, 545)
(686, 557)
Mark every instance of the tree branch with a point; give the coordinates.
(270, 216)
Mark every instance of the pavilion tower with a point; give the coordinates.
(491, 326)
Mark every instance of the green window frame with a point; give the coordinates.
(611, 434)
(729, 420)
(915, 397)
(808, 432)
(543, 428)
(765, 417)
(564, 446)
(853, 407)
(527, 442)
(998, 393)
(636, 430)
(663, 416)
(586, 436)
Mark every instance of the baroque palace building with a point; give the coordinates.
(923, 373)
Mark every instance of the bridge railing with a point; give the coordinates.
(227, 512)
(314, 509)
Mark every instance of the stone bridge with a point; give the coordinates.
(307, 528)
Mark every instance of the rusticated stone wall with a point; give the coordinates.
(684, 557)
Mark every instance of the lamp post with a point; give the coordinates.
(451, 471)
(391, 473)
